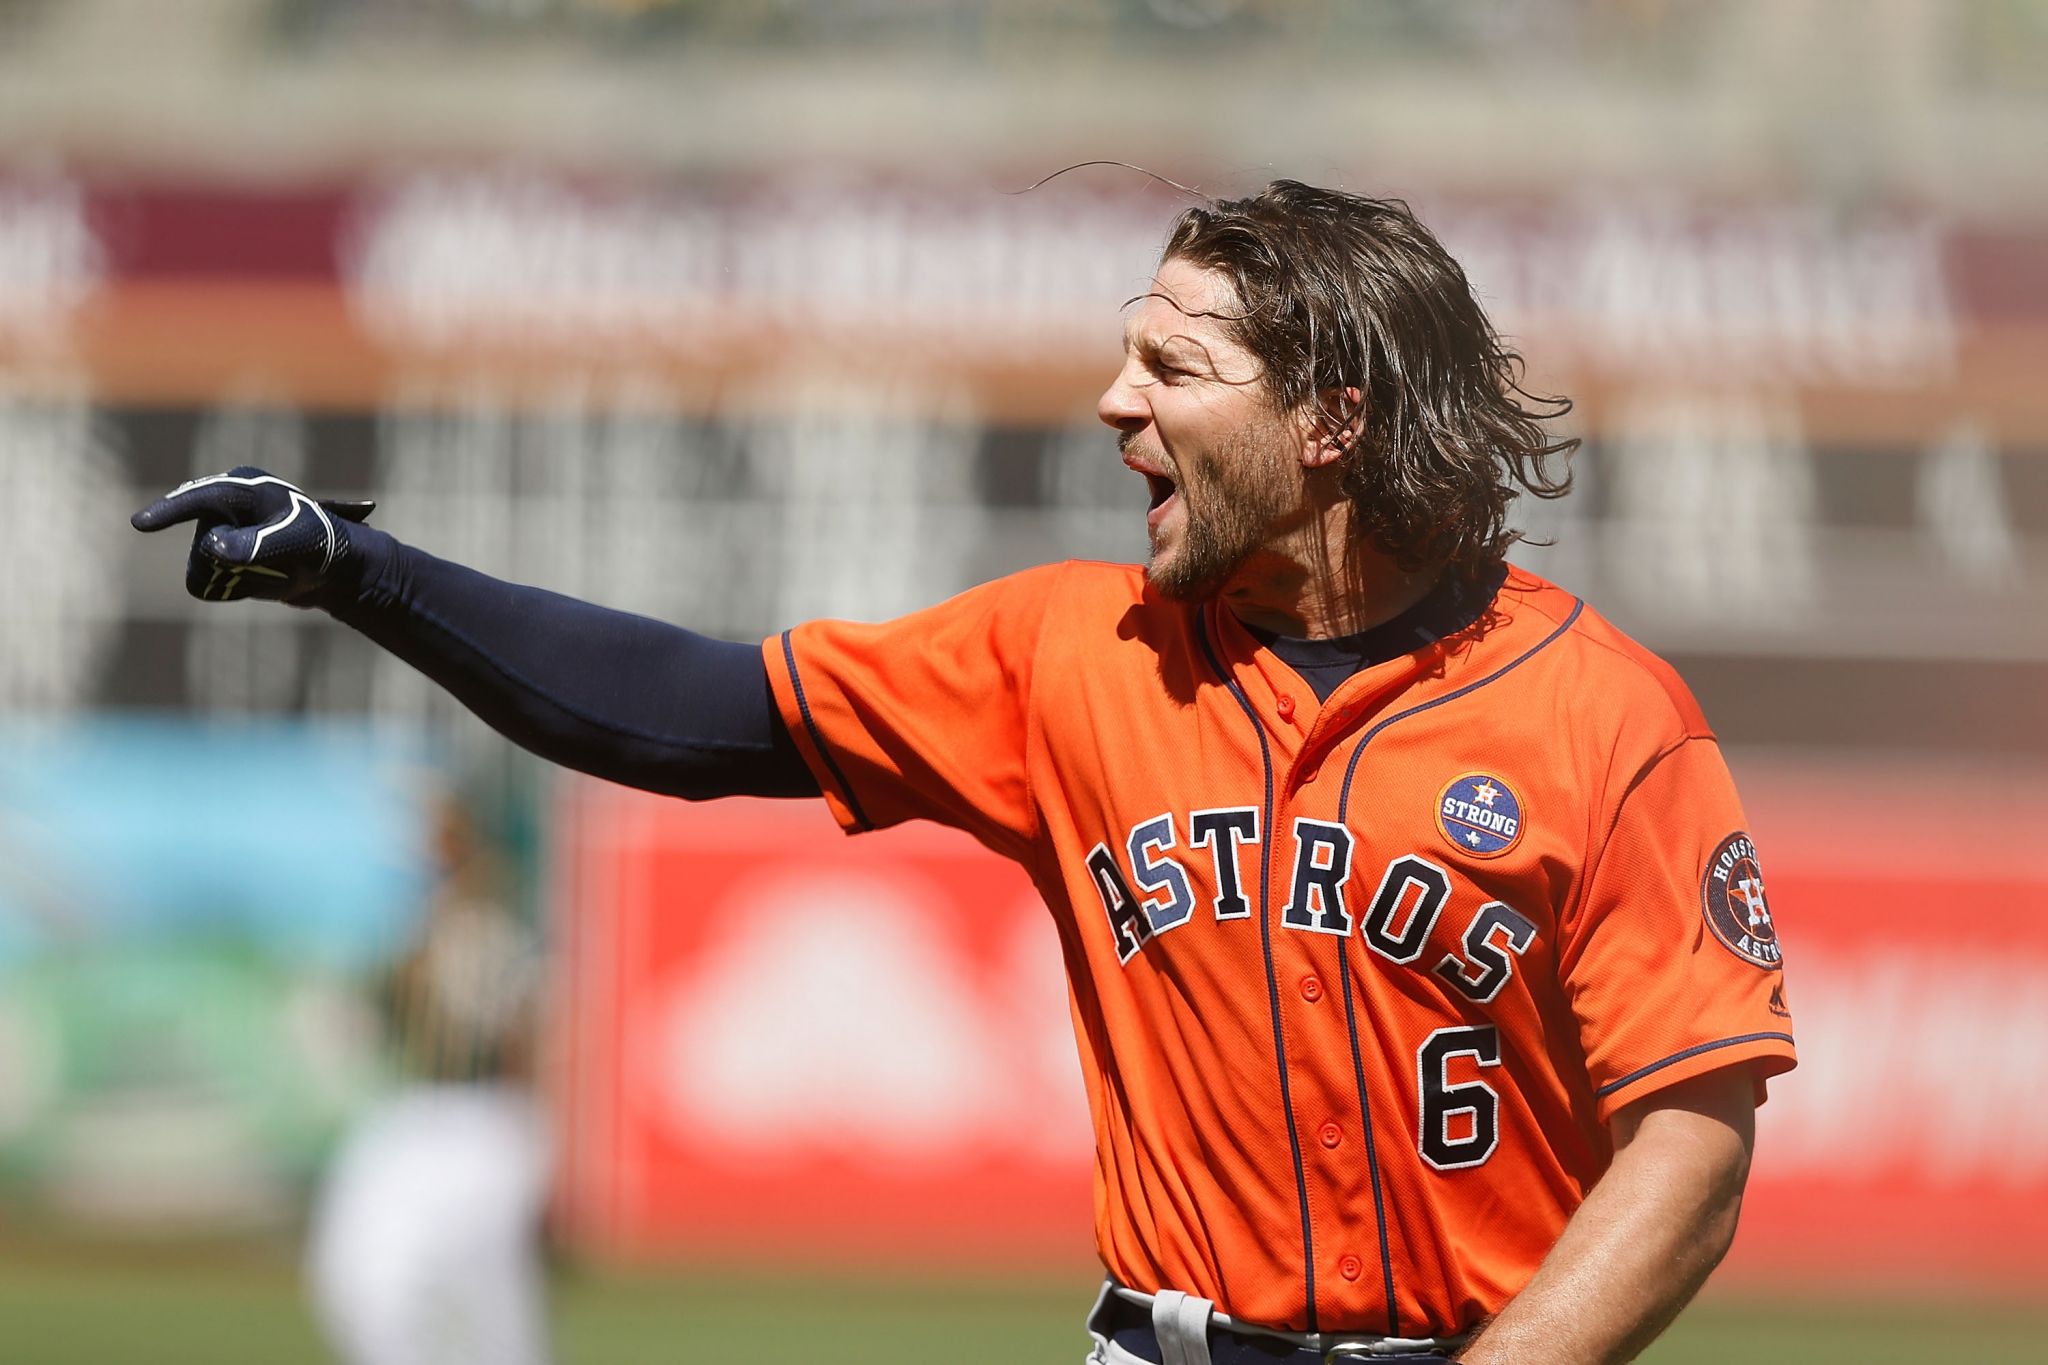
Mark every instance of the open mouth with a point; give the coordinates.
(1164, 496)
(1160, 486)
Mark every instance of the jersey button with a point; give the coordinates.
(1331, 1135)
(1285, 706)
(1311, 989)
(1350, 1267)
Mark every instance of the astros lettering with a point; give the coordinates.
(1412, 892)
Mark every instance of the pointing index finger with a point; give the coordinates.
(214, 494)
(168, 510)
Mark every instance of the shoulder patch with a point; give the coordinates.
(1732, 899)
(1480, 814)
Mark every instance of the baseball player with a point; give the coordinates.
(1422, 970)
(424, 1244)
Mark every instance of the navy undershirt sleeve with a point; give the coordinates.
(605, 692)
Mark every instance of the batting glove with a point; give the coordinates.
(256, 535)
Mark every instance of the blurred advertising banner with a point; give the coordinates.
(1912, 1142)
(1884, 319)
(188, 913)
(784, 1042)
(781, 1040)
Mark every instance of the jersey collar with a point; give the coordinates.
(1392, 657)
(1451, 606)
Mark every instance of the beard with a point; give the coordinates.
(1231, 498)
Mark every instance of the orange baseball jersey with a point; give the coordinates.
(1356, 984)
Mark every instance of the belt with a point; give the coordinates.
(1171, 1328)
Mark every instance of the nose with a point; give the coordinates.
(1122, 405)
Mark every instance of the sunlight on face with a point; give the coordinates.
(1194, 419)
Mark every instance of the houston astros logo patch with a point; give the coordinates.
(1480, 814)
(1732, 898)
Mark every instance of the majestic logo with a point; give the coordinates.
(1732, 898)
(1480, 814)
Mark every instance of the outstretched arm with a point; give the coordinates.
(1647, 1236)
(605, 692)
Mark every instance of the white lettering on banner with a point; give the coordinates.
(50, 259)
(1639, 283)
(830, 1014)
(1913, 1063)
(1786, 292)
(445, 256)
(442, 256)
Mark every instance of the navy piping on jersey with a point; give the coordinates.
(1351, 768)
(1308, 1245)
(1372, 1156)
(1344, 958)
(803, 705)
(1694, 1051)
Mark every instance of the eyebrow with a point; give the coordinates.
(1134, 337)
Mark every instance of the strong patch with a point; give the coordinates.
(1480, 814)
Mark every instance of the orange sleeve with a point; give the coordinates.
(924, 717)
(1670, 959)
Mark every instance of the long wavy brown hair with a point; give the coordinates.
(1339, 292)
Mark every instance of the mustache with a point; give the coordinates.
(1126, 439)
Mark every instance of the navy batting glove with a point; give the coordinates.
(256, 535)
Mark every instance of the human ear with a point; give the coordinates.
(1332, 426)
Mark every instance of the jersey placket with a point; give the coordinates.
(1269, 734)
(1329, 1113)
(1349, 1133)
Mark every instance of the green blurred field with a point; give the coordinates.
(231, 1311)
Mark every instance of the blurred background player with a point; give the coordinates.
(425, 1246)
